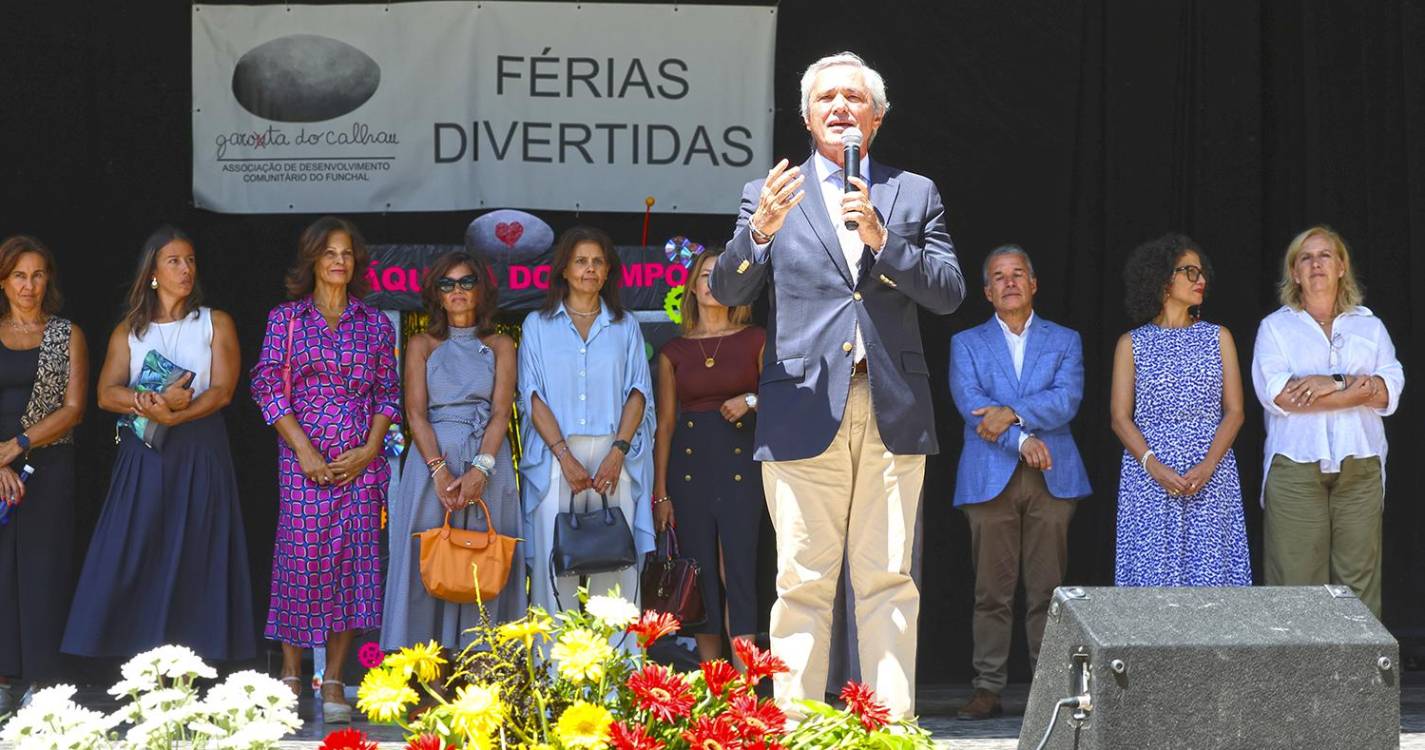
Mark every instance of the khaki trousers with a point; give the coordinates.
(1024, 527)
(1324, 528)
(859, 497)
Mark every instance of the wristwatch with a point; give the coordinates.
(1340, 381)
(485, 463)
(623, 446)
(751, 400)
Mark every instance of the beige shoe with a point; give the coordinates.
(335, 709)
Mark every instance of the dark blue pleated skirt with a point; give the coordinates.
(168, 561)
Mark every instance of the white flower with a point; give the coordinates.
(54, 720)
(613, 611)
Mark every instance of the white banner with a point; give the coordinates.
(446, 106)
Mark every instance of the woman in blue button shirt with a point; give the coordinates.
(587, 398)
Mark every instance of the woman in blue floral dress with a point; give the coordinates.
(1177, 407)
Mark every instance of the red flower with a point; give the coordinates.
(661, 692)
(347, 739)
(426, 742)
(654, 625)
(716, 674)
(862, 701)
(756, 721)
(759, 663)
(625, 737)
(713, 734)
(370, 655)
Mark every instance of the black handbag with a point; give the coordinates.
(594, 541)
(670, 582)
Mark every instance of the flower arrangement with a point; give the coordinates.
(162, 709)
(578, 681)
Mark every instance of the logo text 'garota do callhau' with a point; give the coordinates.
(304, 78)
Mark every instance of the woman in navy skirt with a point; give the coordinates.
(704, 475)
(168, 561)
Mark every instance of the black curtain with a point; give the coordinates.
(1075, 129)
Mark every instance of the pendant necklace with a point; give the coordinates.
(709, 361)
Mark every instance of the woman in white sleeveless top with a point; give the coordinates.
(168, 561)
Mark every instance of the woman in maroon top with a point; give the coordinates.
(703, 468)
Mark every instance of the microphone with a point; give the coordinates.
(851, 162)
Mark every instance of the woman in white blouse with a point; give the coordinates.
(1325, 371)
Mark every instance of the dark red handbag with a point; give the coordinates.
(670, 582)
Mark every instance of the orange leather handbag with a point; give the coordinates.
(452, 560)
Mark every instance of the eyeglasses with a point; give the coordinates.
(1193, 273)
(446, 285)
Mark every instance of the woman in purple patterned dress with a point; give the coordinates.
(327, 380)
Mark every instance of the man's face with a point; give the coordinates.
(839, 99)
(1011, 288)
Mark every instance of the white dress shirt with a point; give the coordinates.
(1016, 343)
(1289, 345)
(828, 178)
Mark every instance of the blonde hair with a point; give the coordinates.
(735, 315)
(1349, 293)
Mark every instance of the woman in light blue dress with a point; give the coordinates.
(459, 390)
(1177, 407)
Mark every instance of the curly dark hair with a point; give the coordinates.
(1149, 271)
(302, 276)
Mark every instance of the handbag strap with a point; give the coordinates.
(489, 522)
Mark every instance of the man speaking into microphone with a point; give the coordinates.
(845, 419)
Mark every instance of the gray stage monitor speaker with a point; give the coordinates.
(1214, 668)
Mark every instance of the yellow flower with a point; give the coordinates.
(581, 654)
(423, 661)
(477, 710)
(535, 625)
(584, 726)
(384, 695)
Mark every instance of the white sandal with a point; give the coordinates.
(332, 711)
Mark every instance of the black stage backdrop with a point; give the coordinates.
(1076, 129)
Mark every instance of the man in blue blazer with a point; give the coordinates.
(1018, 380)
(844, 412)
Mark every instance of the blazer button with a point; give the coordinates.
(737, 477)
(856, 296)
(687, 477)
(688, 451)
(737, 451)
(739, 425)
(848, 346)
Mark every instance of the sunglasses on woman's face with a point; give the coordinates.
(446, 285)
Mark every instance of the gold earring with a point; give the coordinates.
(153, 283)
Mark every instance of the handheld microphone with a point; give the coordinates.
(851, 161)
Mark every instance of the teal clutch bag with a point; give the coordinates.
(157, 374)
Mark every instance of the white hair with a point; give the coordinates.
(874, 82)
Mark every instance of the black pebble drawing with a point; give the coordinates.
(304, 78)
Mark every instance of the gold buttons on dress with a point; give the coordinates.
(848, 346)
(687, 477)
(737, 477)
(737, 451)
(690, 423)
(688, 451)
(856, 296)
(739, 425)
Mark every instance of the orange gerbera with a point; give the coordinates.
(759, 663)
(861, 701)
(756, 720)
(716, 674)
(713, 734)
(654, 625)
(625, 737)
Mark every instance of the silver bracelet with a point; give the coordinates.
(1144, 460)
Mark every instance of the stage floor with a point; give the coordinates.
(936, 703)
